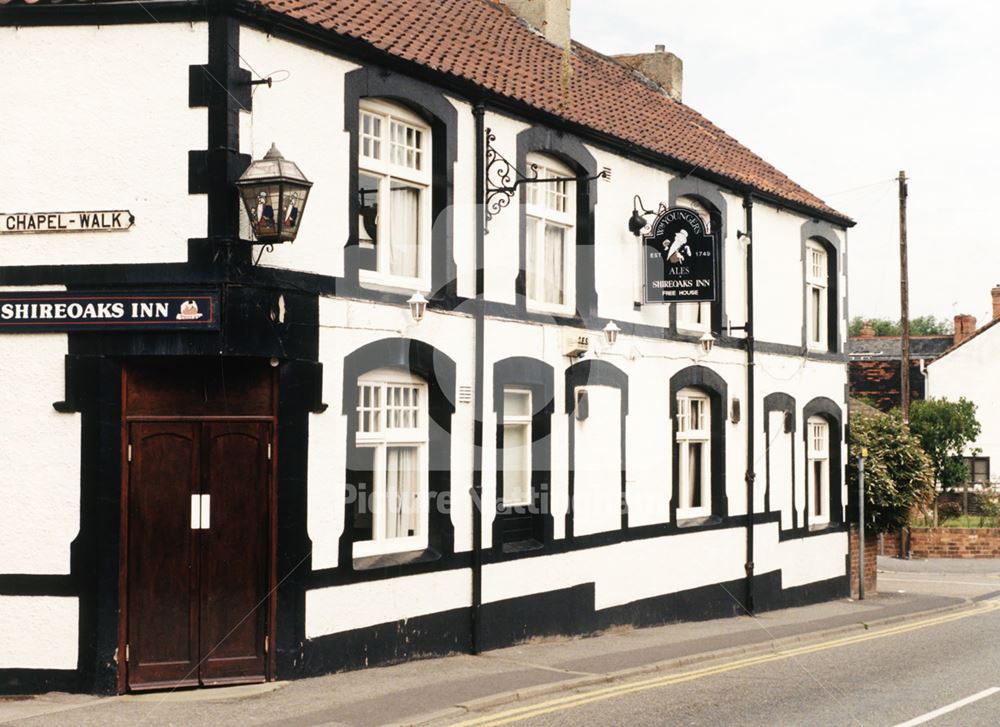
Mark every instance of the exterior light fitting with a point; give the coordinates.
(274, 193)
(418, 306)
(638, 219)
(707, 341)
(611, 332)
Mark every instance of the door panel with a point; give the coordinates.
(162, 562)
(234, 552)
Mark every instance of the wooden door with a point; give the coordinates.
(198, 553)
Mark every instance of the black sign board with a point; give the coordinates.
(32, 312)
(680, 258)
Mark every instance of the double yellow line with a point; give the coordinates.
(578, 700)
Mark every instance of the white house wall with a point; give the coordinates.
(38, 632)
(111, 131)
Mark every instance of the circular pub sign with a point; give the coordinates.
(679, 255)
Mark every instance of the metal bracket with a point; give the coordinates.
(503, 179)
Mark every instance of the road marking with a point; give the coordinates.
(950, 707)
(577, 700)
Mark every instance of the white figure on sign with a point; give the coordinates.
(678, 249)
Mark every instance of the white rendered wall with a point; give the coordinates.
(38, 632)
(39, 457)
(970, 371)
(597, 465)
(109, 129)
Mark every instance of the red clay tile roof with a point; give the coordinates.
(483, 42)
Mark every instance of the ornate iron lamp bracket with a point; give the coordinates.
(503, 179)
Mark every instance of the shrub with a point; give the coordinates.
(948, 510)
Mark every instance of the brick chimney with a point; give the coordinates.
(965, 326)
(664, 69)
(551, 17)
(996, 302)
(867, 330)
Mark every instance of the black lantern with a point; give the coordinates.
(274, 192)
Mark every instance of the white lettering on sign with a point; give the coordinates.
(96, 221)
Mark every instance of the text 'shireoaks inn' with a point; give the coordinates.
(335, 334)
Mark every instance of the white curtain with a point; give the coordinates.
(402, 502)
(516, 477)
(554, 242)
(404, 231)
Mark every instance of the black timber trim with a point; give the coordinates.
(539, 378)
(828, 410)
(429, 103)
(779, 401)
(717, 390)
(712, 199)
(825, 235)
(438, 371)
(568, 150)
(594, 372)
(103, 13)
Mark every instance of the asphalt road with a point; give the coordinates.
(886, 677)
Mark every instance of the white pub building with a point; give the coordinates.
(505, 342)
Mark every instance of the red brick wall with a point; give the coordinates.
(880, 382)
(956, 542)
(871, 563)
(889, 545)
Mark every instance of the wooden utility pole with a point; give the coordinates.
(904, 304)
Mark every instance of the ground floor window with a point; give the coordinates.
(517, 411)
(818, 459)
(694, 443)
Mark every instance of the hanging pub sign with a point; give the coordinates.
(679, 256)
(33, 312)
(91, 221)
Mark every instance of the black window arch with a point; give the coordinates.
(438, 372)
(516, 529)
(717, 391)
(429, 103)
(570, 151)
(594, 372)
(828, 410)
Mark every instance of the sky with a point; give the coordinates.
(841, 96)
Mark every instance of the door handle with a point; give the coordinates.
(201, 512)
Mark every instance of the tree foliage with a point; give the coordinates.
(922, 326)
(898, 474)
(945, 428)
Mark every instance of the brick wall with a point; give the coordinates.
(879, 382)
(871, 563)
(956, 542)
(889, 544)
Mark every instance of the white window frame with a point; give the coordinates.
(551, 204)
(695, 317)
(818, 456)
(522, 421)
(380, 436)
(387, 170)
(687, 433)
(817, 296)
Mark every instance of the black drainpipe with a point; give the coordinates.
(750, 474)
(479, 112)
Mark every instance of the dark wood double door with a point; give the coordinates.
(198, 564)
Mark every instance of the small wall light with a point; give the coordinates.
(418, 306)
(707, 341)
(274, 192)
(638, 220)
(611, 332)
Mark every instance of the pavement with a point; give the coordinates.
(444, 689)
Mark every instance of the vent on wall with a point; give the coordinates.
(465, 394)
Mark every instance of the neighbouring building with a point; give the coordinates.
(229, 462)
(968, 370)
(876, 363)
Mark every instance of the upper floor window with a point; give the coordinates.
(818, 462)
(550, 211)
(979, 470)
(391, 443)
(394, 190)
(695, 316)
(694, 442)
(817, 285)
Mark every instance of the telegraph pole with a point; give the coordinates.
(904, 304)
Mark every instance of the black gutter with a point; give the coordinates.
(279, 24)
(751, 476)
(479, 113)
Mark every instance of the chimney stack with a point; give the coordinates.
(867, 330)
(662, 68)
(965, 326)
(996, 302)
(551, 17)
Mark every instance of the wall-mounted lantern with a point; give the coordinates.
(707, 341)
(418, 306)
(274, 192)
(611, 332)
